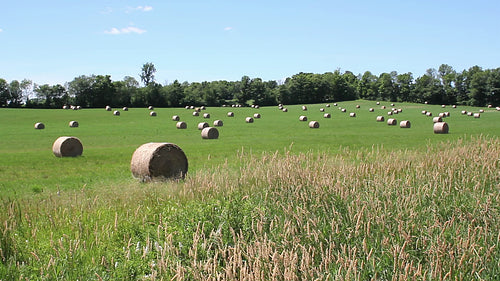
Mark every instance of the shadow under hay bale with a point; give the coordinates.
(210, 133)
(441, 128)
(159, 161)
(67, 147)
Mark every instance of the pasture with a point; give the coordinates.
(354, 199)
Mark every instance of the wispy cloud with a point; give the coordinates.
(125, 30)
(228, 28)
(1, 30)
(107, 11)
(140, 9)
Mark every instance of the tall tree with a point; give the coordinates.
(4, 92)
(148, 73)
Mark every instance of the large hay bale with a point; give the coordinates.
(206, 115)
(210, 133)
(352, 114)
(327, 115)
(391, 121)
(249, 120)
(304, 108)
(441, 114)
(380, 118)
(116, 113)
(256, 116)
(437, 119)
(196, 113)
(125, 108)
(159, 161)
(441, 128)
(39, 126)
(314, 124)
(230, 114)
(181, 125)
(151, 107)
(152, 113)
(218, 123)
(202, 125)
(73, 124)
(302, 118)
(405, 124)
(67, 147)
(176, 118)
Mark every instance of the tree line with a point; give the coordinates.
(474, 86)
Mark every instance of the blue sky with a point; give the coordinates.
(55, 41)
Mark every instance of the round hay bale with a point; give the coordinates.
(437, 119)
(380, 119)
(498, 108)
(443, 106)
(424, 112)
(218, 123)
(108, 108)
(181, 125)
(328, 105)
(191, 107)
(314, 124)
(399, 110)
(469, 113)
(335, 104)
(490, 106)
(477, 115)
(280, 107)
(395, 112)
(197, 109)
(343, 110)
(176, 118)
(158, 161)
(152, 113)
(151, 107)
(391, 121)
(392, 104)
(352, 114)
(256, 116)
(441, 128)
(210, 133)
(321, 110)
(405, 124)
(428, 113)
(358, 106)
(252, 106)
(382, 107)
(446, 114)
(327, 115)
(302, 118)
(116, 113)
(78, 107)
(206, 115)
(65, 107)
(389, 113)
(454, 106)
(378, 103)
(257, 106)
(425, 102)
(202, 125)
(371, 109)
(233, 105)
(39, 126)
(230, 114)
(249, 120)
(304, 108)
(285, 109)
(125, 108)
(73, 124)
(203, 107)
(481, 110)
(441, 114)
(196, 113)
(186, 107)
(67, 147)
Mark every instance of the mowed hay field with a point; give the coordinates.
(354, 199)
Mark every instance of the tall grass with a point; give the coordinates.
(358, 215)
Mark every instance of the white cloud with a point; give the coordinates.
(1, 30)
(125, 30)
(140, 8)
(228, 28)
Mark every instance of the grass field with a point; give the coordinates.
(273, 200)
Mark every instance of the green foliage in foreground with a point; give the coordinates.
(361, 214)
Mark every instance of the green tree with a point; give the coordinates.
(479, 88)
(447, 75)
(405, 85)
(4, 92)
(174, 94)
(148, 73)
(367, 86)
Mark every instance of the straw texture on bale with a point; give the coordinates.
(202, 125)
(73, 124)
(195, 113)
(181, 125)
(380, 118)
(303, 118)
(391, 121)
(218, 123)
(230, 114)
(441, 128)
(125, 108)
(159, 161)
(327, 115)
(210, 133)
(152, 113)
(256, 115)
(116, 112)
(67, 147)
(314, 124)
(206, 115)
(437, 119)
(249, 120)
(39, 126)
(405, 124)
(352, 114)
(176, 118)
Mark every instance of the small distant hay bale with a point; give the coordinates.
(252, 106)
(210, 133)
(314, 124)
(380, 118)
(321, 110)
(395, 112)
(181, 125)
(335, 104)
(328, 105)
(382, 107)
(159, 161)
(399, 110)
(108, 108)
(490, 106)
(477, 115)
(196, 113)
(470, 113)
(280, 107)
(352, 114)
(498, 108)
(428, 113)
(78, 107)
(73, 107)
(425, 102)
(378, 103)
(441, 128)
(67, 147)
(249, 120)
(187, 107)
(203, 107)
(454, 106)
(151, 107)
(304, 108)
(202, 125)
(197, 109)
(327, 115)
(392, 104)
(481, 110)
(256, 115)
(218, 123)
(392, 121)
(152, 113)
(65, 107)
(371, 109)
(285, 109)
(39, 126)
(302, 118)
(389, 113)
(443, 105)
(393, 109)
(116, 113)
(464, 112)
(358, 106)
(437, 119)
(176, 118)
(424, 112)
(206, 115)
(257, 106)
(125, 108)
(446, 114)
(441, 114)
(191, 107)
(233, 105)
(73, 124)
(405, 124)
(230, 114)
(343, 110)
